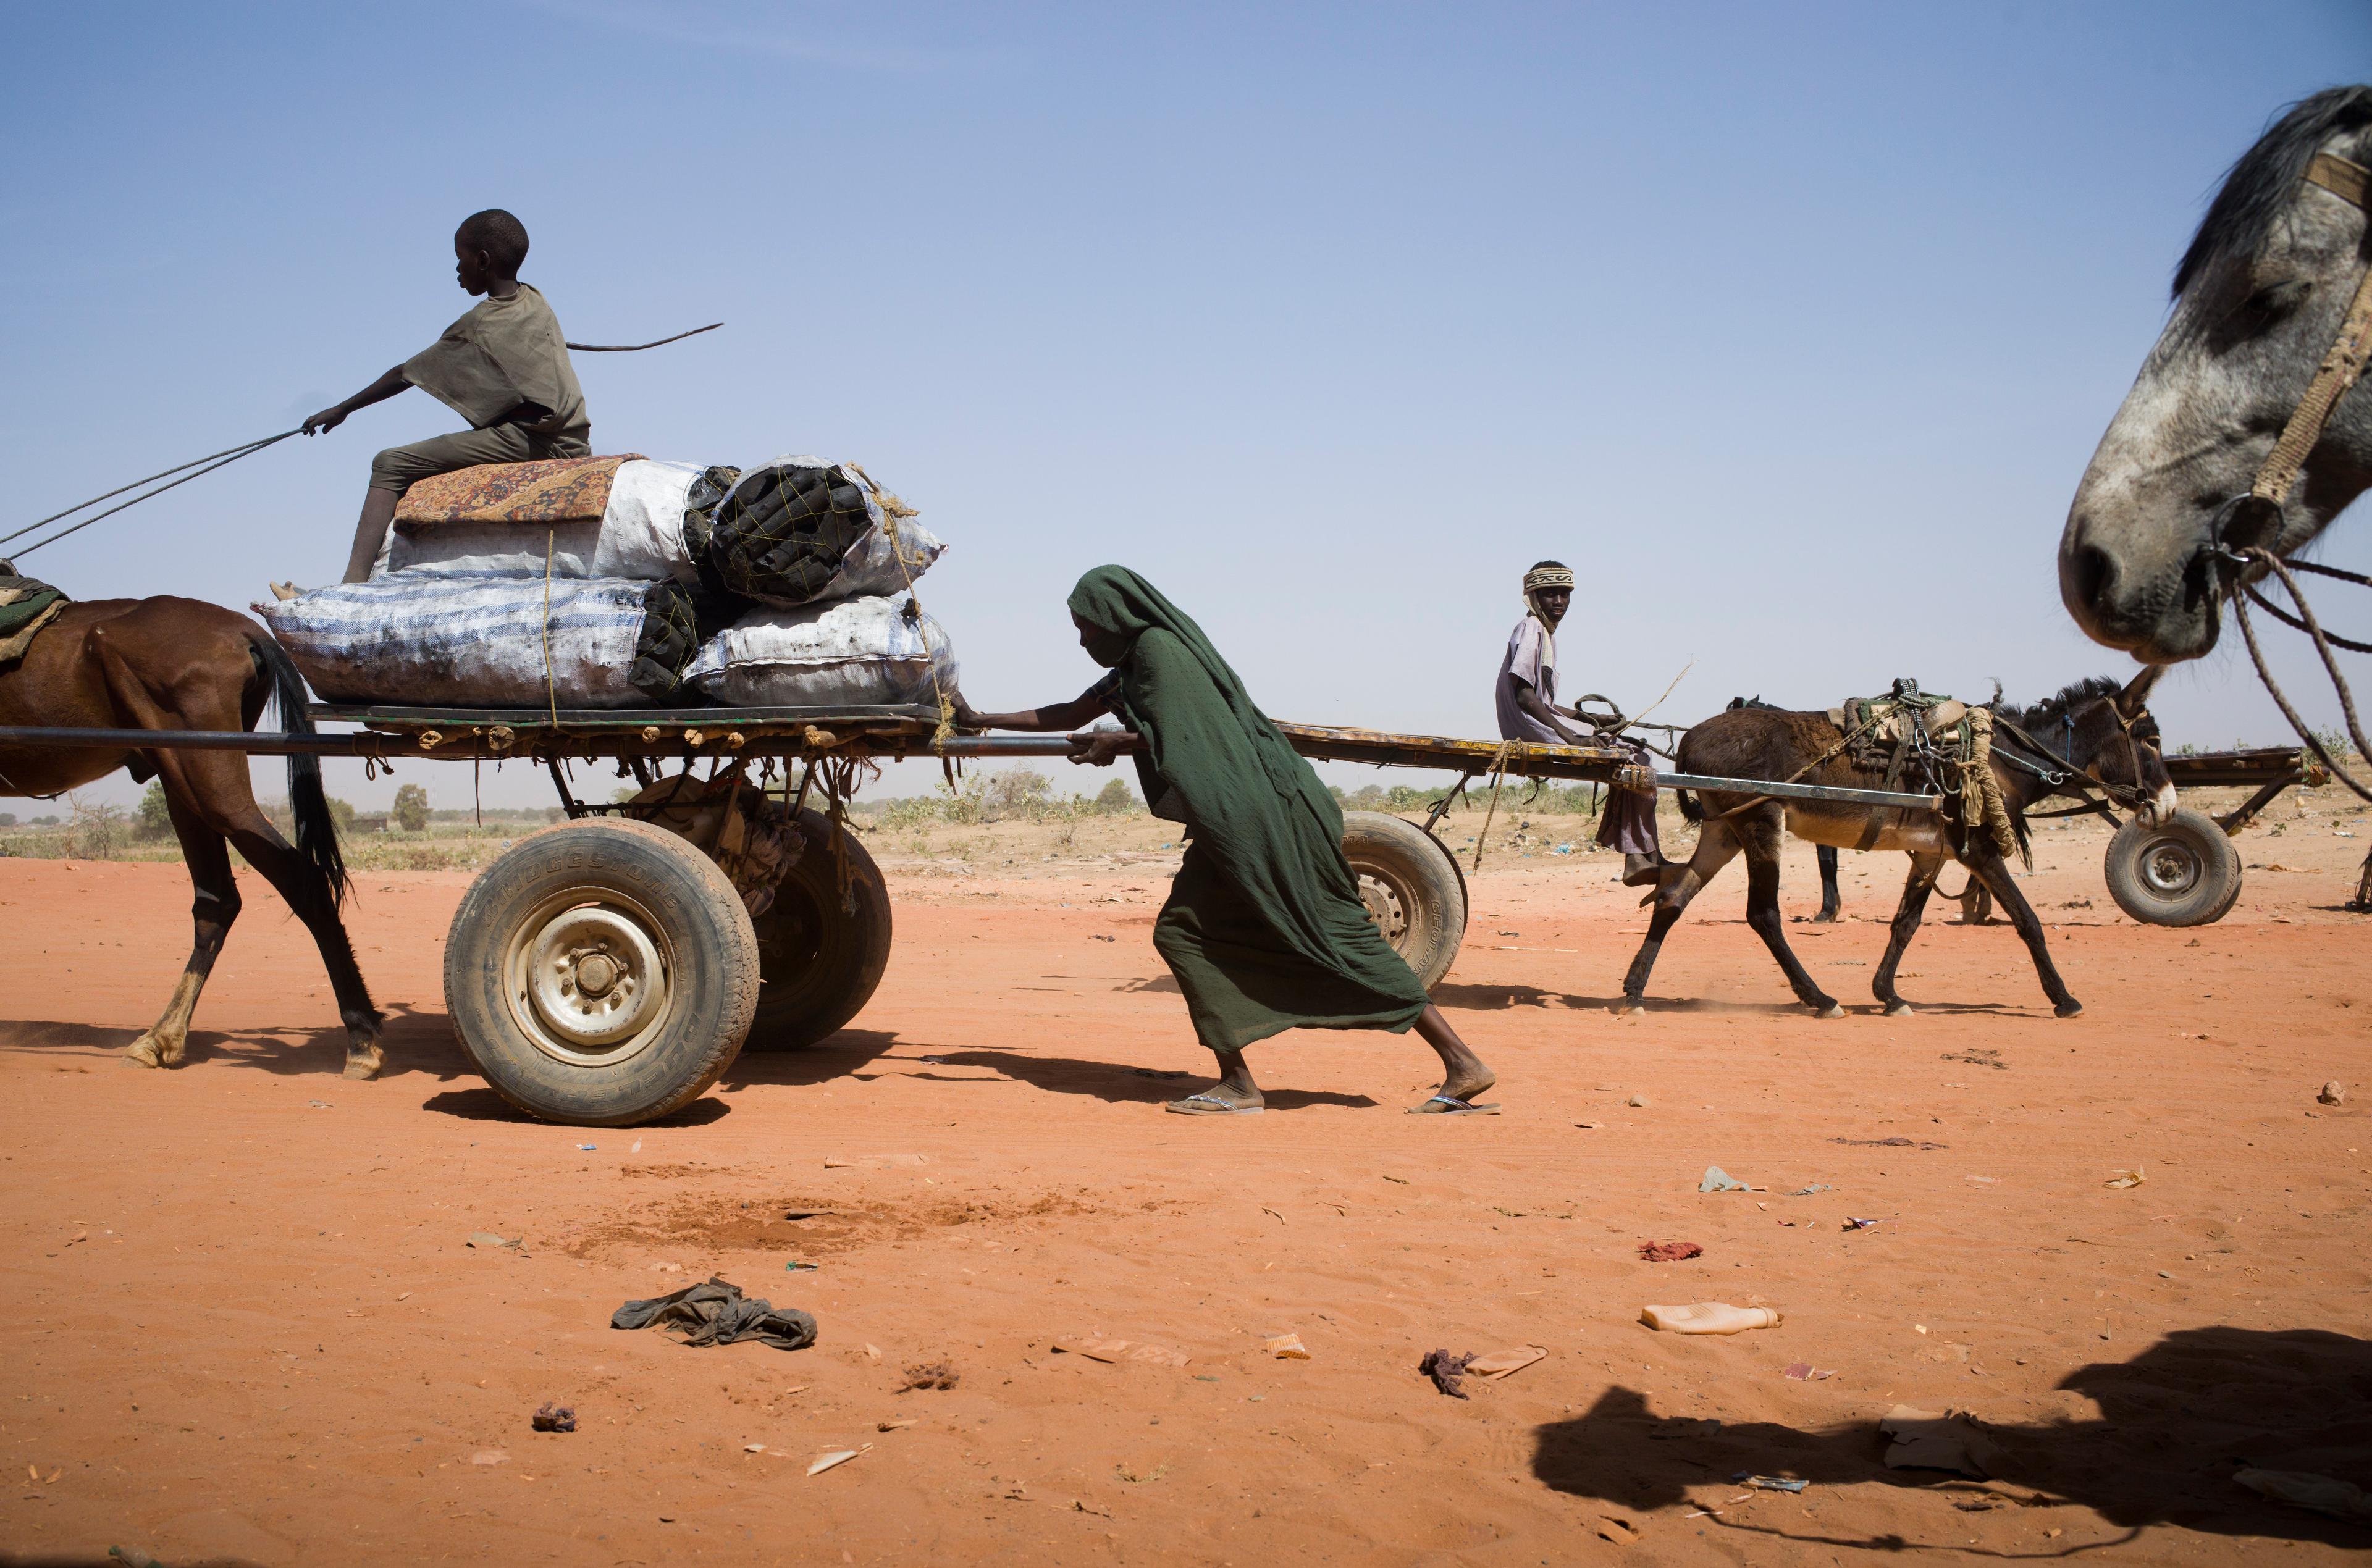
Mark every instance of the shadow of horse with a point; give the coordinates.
(2177, 1422)
(414, 1041)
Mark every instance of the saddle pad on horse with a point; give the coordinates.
(1888, 718)
(556, 490)
(27, 604)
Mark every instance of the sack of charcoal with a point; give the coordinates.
(491, 642)
(620, 518)
(871, 651)
(800, 531)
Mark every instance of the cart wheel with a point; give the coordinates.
(1412, 888)
(820, 963)
(601, 973)
(2182, 872)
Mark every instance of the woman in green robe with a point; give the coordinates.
(1264, 927)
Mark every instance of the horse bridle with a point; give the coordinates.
(2247, 522)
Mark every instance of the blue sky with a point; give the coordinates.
(1790, 327)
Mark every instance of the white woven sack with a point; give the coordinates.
(852, 653)
(466, 643)
(640, 535)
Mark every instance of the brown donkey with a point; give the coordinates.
(179, 664)
(2088, 723)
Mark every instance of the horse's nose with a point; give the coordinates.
(2087, 580)
(2090, 570)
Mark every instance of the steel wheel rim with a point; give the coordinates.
(588, 977)
(1387, 904)
(2171, 868)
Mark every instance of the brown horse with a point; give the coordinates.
(2107, 732)
(181, 664)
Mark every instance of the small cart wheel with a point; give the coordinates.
(2185, 871)
(601, 973)
(819, 961)
(1412, 888)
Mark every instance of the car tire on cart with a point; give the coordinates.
(818, 958)
(1411, 885)
(2183, 871)
(601, 973)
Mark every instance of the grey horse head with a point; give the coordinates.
(2258, 300)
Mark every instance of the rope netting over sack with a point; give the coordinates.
(785, 529)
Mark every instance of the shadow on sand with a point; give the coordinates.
(2177, 1422)
(413, 1043)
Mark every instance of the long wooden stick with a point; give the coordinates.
(638, 348)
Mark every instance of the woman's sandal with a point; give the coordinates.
(1208, 1104)
(1449, 1105)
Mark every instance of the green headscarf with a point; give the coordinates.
(1118, 601)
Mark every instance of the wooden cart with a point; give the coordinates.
(605, 970)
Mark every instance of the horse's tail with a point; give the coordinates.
(316, 829)
(1692, 808)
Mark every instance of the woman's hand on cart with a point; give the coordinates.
(1100, 748)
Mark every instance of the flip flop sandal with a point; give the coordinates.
(1210, 1105)
(1447, 1104)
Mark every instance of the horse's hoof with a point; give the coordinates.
(150, 1051)
(1630, 1007)
(1826, 1010)
(2071, 1008)
(365, 1065)
(1899, 1010)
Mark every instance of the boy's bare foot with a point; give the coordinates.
(287, 591)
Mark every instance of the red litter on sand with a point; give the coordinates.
(1669, 1251)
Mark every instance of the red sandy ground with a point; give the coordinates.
(242, 1321)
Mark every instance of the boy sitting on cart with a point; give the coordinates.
(504, 367)
(1525, 694)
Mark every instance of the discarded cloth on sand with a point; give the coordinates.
(717, 1313)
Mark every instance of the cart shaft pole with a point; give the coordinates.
(263, 743)
(1799, 791)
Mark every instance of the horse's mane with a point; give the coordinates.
(2055, 707)
(2258, 187)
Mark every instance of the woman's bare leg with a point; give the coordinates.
(1463, 1075)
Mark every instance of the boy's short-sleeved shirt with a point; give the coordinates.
(504, 353)
(1531, 658)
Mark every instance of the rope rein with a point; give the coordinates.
(214, 460)
(2313, 629)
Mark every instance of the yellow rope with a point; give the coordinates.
(893, 510)
(550, 690)
(1508, 748)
